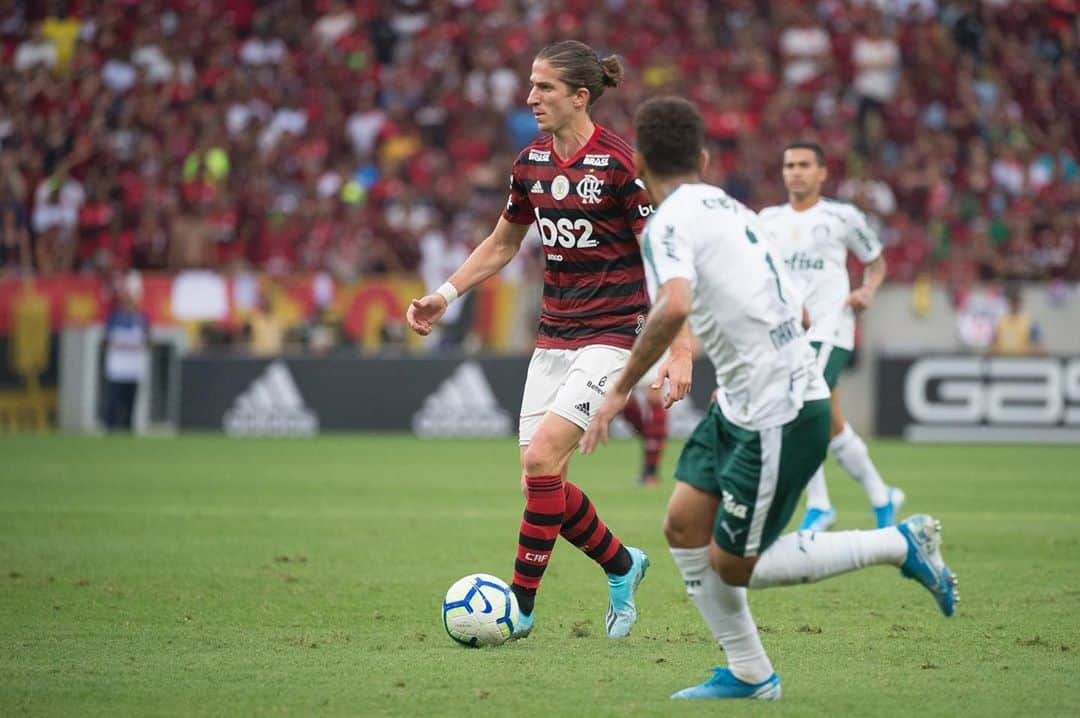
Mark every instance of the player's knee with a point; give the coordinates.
(682, 532)
(675, 531)
(539, 460)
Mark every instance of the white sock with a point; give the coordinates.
(726, 613)
(808, 556)
(817, 495)
(849, 450)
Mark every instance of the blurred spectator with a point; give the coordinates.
(57, 201)
(35, 50)
(805, 46)
(1016, 333)
(335, 135)
(876, 59)
(127, 345)
(265, 329)
(14, 241)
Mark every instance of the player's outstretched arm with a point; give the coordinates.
(491, 255)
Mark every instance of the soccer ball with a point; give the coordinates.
(480, 610)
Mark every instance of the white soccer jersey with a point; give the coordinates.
(814, 244)
(746, 309)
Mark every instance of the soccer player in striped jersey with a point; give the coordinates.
(741, 472)
(813, 235)
(576, 182)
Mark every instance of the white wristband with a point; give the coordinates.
(448, 292)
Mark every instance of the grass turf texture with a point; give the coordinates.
(207, 576)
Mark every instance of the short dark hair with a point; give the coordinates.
(580, 66)
(670, 135)
(812, 146)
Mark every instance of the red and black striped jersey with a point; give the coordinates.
(589, 209)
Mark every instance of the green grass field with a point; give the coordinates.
(207, 576)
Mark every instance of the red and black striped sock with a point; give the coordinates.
(583, 527)
(655, 434)
(545, 504)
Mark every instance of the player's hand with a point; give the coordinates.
(424, 312)
(860, 299)
(678, 370)
(597, 433)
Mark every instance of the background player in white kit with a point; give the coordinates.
(813, 235)
(741, 472)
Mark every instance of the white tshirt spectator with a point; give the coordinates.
(239, 114)
(57, 205)
(497, 88)
(1008, 173)
(154, 62)
(284, 120)
(439, 257)
(805, 48)
(35, 51)
(877, 66)
(363, 129)
(330, 27)
(329, 184)
(127, 339)
(880, 199)
(260, 51)
(119, 75)
(902, 9)
(491, 83)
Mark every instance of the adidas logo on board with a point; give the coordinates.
(463, 405)
(272, 406)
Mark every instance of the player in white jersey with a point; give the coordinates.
(741, 472)
(813, 235)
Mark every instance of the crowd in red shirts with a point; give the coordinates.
(367, 137)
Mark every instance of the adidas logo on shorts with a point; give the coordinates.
(583, 408)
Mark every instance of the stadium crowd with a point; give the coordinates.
(370, 137)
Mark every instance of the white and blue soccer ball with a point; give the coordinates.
(480, 610)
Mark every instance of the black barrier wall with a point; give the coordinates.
(301, 396)
(980, 399)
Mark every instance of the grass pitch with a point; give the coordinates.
(207, 576)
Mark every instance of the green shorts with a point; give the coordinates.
(758, 476)
(832, 361)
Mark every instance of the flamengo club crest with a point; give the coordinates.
(589, 189)
(560, 187)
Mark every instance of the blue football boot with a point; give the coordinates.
(818, 520)
(725, 685)
(523, 626)
(621, 613)
(924, 562)
(886, 515)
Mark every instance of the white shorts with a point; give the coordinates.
(569, 382)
